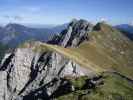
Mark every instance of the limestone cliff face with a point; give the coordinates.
(29, 75)
(26, 74)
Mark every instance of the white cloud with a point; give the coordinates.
(103, 19)
(32, 14)
(15, 17)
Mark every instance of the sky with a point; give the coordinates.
(63, 11)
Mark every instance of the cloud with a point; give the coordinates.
(103, 19)
(13, 18)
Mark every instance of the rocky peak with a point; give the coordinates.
(29, 74)
(99, 26)
(75, 34)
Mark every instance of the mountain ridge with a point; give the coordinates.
(68, 66)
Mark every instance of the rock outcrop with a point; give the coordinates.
(76, 33)
(26, 74)
(29, 75)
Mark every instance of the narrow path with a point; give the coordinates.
(122, 76)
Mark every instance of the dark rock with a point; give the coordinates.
(76, 33)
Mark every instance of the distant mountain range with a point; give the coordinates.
(14, 34)
(126, 29)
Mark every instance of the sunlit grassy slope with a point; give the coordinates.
(109, 49)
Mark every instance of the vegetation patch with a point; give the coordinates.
(114, 88)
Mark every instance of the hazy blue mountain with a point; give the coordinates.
(40, 25)
(14, 34)
(126, 29)
(59, 28)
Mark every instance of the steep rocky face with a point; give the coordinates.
(26, 74)
(76, 33)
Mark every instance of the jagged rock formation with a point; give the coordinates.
(76, 33)
(26, 74)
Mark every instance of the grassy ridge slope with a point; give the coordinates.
(108, 49)
(114, 88)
